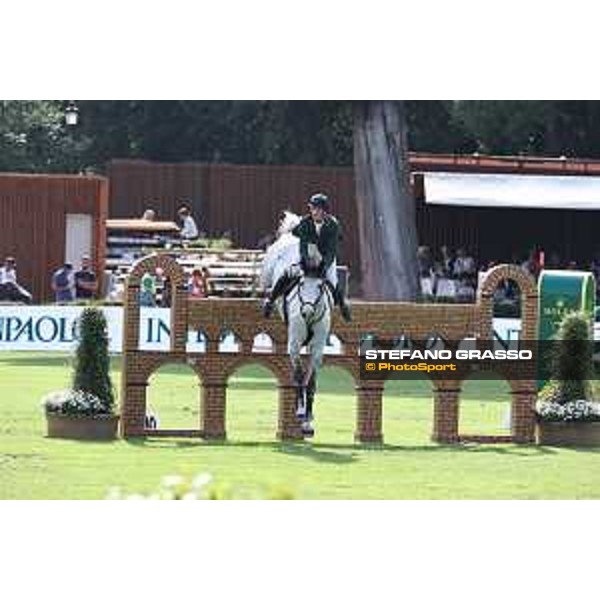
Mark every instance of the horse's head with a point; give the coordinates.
(287, 222)
(312, 294)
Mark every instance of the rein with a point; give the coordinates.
(316, 317)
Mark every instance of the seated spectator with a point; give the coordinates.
(189, 229)
(424, 261)
(464, 265)
(465, 292)
(198, 284)
(447, 261)
(532, 264)
(165, 297)
(425, 266)
(148, 289)
(9, 287)
(63, 284)
(149, 215)
(86, 283)
(445, 288)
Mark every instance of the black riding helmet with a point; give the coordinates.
(319, 201)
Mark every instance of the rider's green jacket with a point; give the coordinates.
(326, 241)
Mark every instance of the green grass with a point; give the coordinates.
(332, 466)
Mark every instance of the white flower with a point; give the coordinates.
(172, 481)
(201, 481)
(114, 493)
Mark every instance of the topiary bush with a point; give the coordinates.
(568, 395)
(92, 361)
(572, 366)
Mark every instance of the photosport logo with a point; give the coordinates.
(409, 359)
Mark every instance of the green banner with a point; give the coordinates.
(561, 292)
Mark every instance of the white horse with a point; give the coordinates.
(307, 304)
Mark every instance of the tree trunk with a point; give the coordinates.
(386, 207)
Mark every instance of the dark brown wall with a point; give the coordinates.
(242, 199)
(32, 223)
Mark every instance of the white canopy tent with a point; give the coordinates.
(513, 191)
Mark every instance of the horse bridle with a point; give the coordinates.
(315, 317)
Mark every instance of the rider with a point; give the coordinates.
(319, 232)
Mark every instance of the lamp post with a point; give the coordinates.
(71, 114)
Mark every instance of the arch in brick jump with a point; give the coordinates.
(382, 319)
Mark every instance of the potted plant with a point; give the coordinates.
(567, 414)
(86, 411)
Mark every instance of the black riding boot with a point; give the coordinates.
(279, 288)
(340, 300)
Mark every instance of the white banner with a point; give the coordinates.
(54, 328)
(516, 191)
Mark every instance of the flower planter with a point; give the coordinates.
(569, 433)
(99, 427)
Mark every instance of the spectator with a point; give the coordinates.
(63, 284)
(189, 229)
(148, 290)
(149, 215)
(9, 287)
(447, 261)
(464, 265)
(465, 291)
(532, 264)
(86, 283)
(424, 261)
(165, 297)
(112, 291)
(425, 266)
(198, 284)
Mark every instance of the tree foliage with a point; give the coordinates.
(34, 138)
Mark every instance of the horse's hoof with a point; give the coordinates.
(307, 430)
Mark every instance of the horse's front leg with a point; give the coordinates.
(299, 377)
(311, 389)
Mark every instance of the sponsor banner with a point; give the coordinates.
(54, 328)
